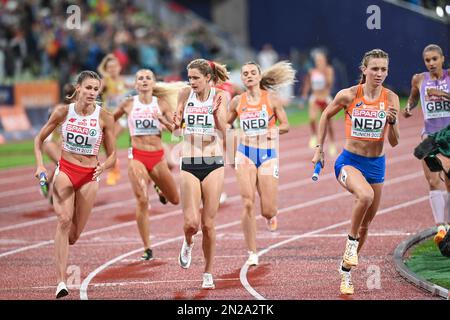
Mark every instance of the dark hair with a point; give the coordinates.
(69, 92)
(375, 53)
(87, 74)
(433, 47)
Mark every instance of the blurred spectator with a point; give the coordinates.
(267, 57)
(36, 42)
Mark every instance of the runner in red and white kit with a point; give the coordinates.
(84, 125)
(146, 112)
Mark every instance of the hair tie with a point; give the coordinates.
(212, 65)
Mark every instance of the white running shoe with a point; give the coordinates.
(61, 290)
(252, 259)
(208, 282)
(351, 252)
(346, 281)
(223, 198)
(185, 257)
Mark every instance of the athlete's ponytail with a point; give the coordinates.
(375, 53)
(280, 74)
(218, 72)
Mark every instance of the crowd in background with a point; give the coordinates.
(35, 40)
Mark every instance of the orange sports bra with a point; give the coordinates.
(366, 120)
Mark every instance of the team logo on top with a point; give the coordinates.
(359, 104)
(82, 122)
(72, 120)
(93, 122)
(92, 132)
(381, 114)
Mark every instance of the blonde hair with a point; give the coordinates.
(218, 72)
(167, 91)
(372, 54)
(102, 66)
(280, 74)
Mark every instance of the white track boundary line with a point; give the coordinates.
(244, 269)
(88, 279)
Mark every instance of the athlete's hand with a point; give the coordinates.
(319, 156)
(39, 170)
(176, 121)
(432, 92)
(98, 170)
(407, 112)
(391, 116)
(216, 105)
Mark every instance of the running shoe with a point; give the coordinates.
(148, 255)
(61, 290)
(346, 281)
(185, 256)
(351, 252)
(208, 282)
(439, 236)
(252, 259)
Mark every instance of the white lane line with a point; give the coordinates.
(123, 184)
(244, 269)
(11, 177)
(85, 284)
(178, 211)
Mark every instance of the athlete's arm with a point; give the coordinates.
(109, 142)
(181, 101)
(306, 86)
(220, 111)
(58, 115)
(392, 119)
(278, 109)
(232, 113)
(166, 115)
(414, 95)
(122, 109)
(330, 78)
(342, 99)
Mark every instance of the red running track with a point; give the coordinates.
(298, 261)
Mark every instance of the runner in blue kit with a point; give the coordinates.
(259, 109)
(370, 115)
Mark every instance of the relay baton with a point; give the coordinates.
(317, 169)
(43, 183)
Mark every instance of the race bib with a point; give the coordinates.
(368, 123)
(255, 123)
(199, 120)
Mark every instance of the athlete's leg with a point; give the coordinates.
(370, 214)
(267, 184)
(64, 204)
(84, 202)
(191, 195)
(246, 174)
(211, 187)
(140, 179)
(163, 178)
